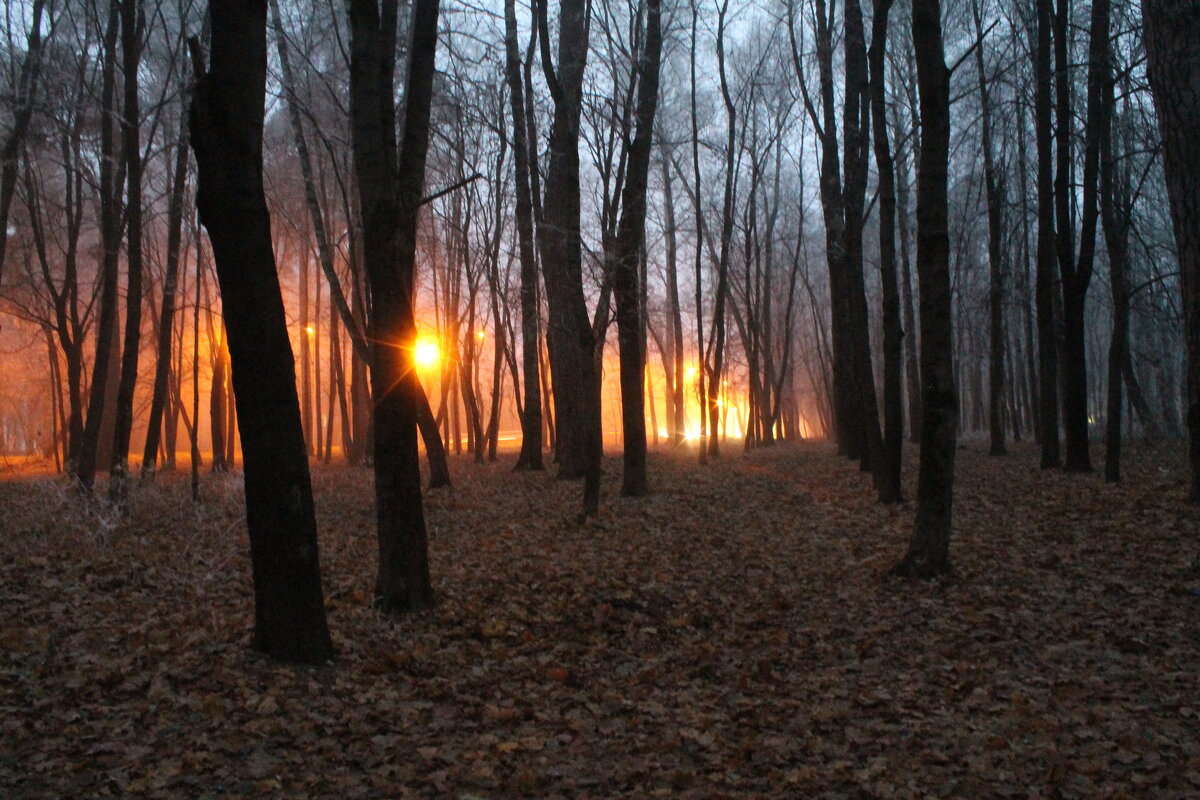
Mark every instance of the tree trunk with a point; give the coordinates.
(110, 235)
(1173, 63)
(531, 410)
(929, 549)
(631, 236)
(994, 193)
(22, 113)
(390, 197)
(570, 334)
(226, 134)
(1047, 263)
(166, 324)
(133, 24)
(893, 408)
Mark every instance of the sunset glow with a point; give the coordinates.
(426, 353)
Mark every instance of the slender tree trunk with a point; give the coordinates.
(631, 236)
(1047, 263)
(166, 325)
(893, 402)
(133, 24)
(929, 549)
(531, 416)
(994, 193)
(110, 235)
(1078, 275)
(226, 134)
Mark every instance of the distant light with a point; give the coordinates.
(310, 330)
(481, 334)
(426, 353)
(691, 373)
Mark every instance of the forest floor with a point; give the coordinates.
(734, 635)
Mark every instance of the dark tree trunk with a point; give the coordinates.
(1078, 275)
(22, 113)
(226, 134)
(110, 236)
(699, 255)
(888, 471)
(631, 235)
(677, 407)
(1116, 211)
(133, 24)
(912, 370)
(531, 410)
(1173, 62)
(1047, 261)
(994, 192)
(570, 335)
(166, 324)
(856, 124)
(217, 413)
(717, 371)
(929, 549)
(390, 196)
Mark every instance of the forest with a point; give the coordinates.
(600, 398)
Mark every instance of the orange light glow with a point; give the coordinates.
(310, 330)
(481, 334)
(426, 353)
(691, 373)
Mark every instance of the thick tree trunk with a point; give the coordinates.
(929, 549)
(226, 134)
(1173, 62)
(390, 198)
(570, 334)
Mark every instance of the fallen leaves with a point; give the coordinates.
(732, 635)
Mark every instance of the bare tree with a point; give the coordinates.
(226, 125)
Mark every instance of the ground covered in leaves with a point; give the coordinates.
(732, 636)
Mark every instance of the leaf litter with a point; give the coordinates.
(733, 635)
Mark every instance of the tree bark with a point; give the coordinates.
(390, 197)
(531, 417)
(226, 124)
(893, 403)
(631, 235)
(84, 470)
(133, 24)
(1173, 61)
(570, 334)
(929, 548)
(166, 324)
(1047, 263)
(26, 88)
